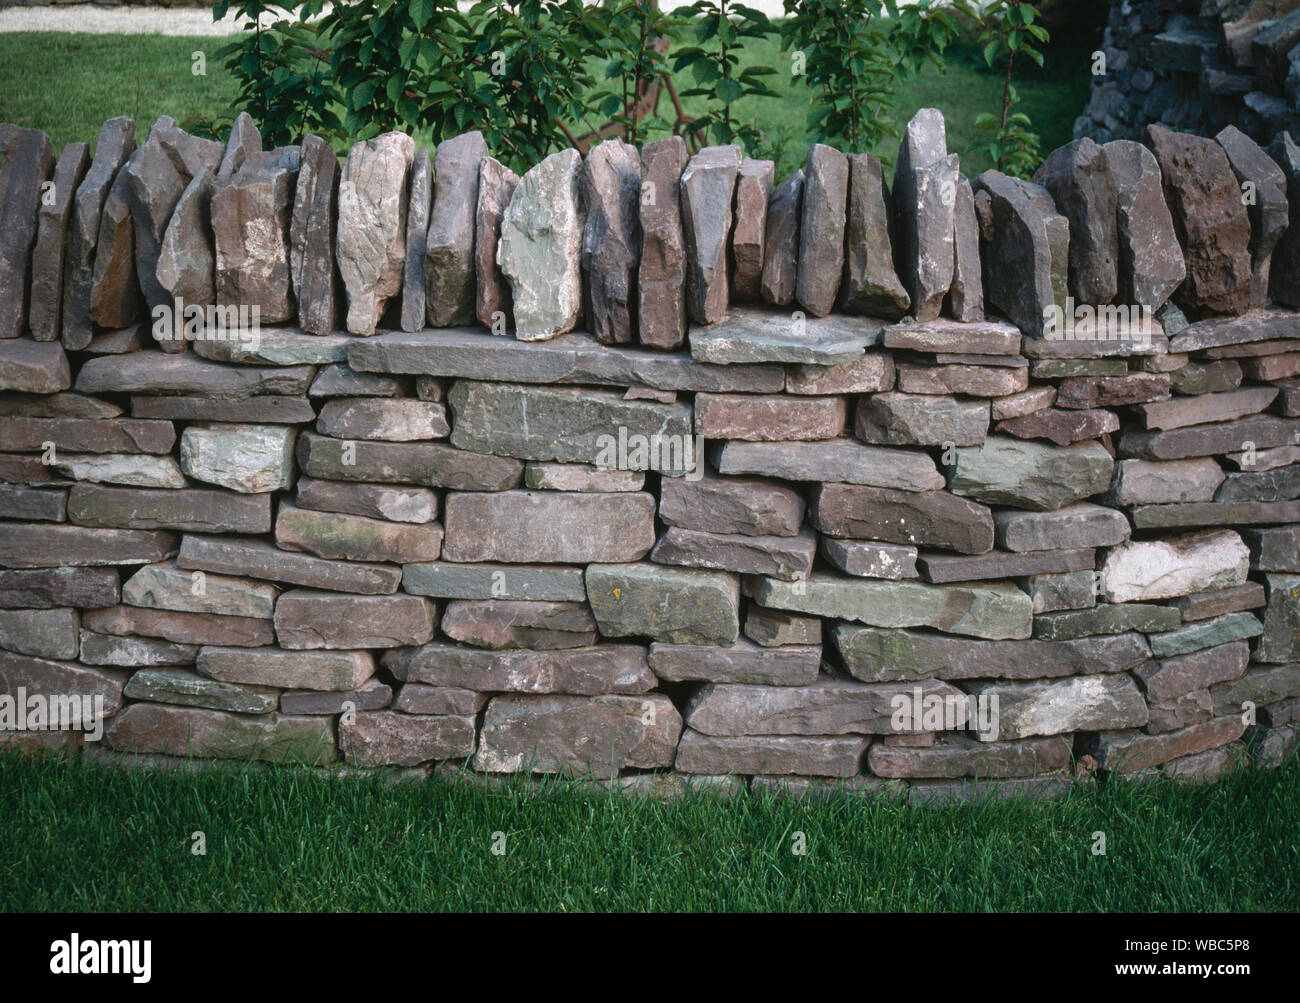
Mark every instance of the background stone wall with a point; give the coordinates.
(962, 438)
(1197, 66)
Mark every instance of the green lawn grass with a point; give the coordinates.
(81, 837)
(67, 84)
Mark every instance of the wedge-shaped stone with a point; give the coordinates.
(927, 518)
(570, 425)
(1186, 411)
(43, 633)
(1174, 677)
(528, 527)
(128, 469)
(307, 619)
(775, 629)
(187, 689)
(38, 676)
(147, 729)
(1280, 641)
(781, 237)
(333, 671)
(821, 232)
(387, 738)
(602, 668)
(429, 464)
(1206, 605)
(1150, 482)
(168, 586)
(840, 460)
(1001, 564)
(1106, 618)
(898, 419)
(53, 218)
(449, 244)
(925, 194)
(869, 284)
(250, 459)
(1268, 210)
(1131, 751)
(1151, 264)
(391, 420)
(312, 235)
(1265, 431)
(336, 536)
(540, 250)
(998, 611)
(743, 662)
(496, 186)
(262, 560)
(767, 419)
(37, 545)
(708, 186)
(371, 239)
(827, 707)
(821, 756)
(786, 557)
(661, 275)
(577, 736)
(513, 623)
(865, 559)
(748, 335)
(251, 216)
(494, 581)
(1078, 178)
(87, 588)
(375, 501)
(879, 656)
(180, 628)
(1080, 525)
(1211, 220)
(1208, 633)
(611, 239)
(1062, 706)
(33, 368)
(1031, 475)
(115, 144)
(133, 652)
(1164, 569)
(962, 756)
(419, 196)
(195, 510)
(666, 604)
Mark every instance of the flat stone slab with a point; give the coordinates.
(874, 655)
(37, 545)
(590, 671)
(331, 671)
(133, 652)
(42, 633)
(1214, 514)
(772, 755)
(1194, 637)
(387, 738)
(1257, 325)
(925, 518)
(376, 501)
(667, 604)
(961, 756)
(1031, 475)
(1166, 569)
(944, 335)
(577, 736)
(1062, 706)
(743, 662)
(826, 707)
(757, 336)
(1106, 618)
(310, 619)
(1178, 675)
(1131, 751)
(540, 527)
(868, 559)
(1000, 564)
(417, 698)
(262, 560)
(184, 731)
(33, 367)
(998, 611)
(178, 686)
(1079, 525)
(168, 586)
(186, 374)
(519, 623)
(81, 435)
(787, 557)
(179, 628)
(195, 510)
(336, 536)
(276, 346)
(843, 461)
(469, 353)
(444, 580)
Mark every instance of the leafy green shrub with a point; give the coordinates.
(714, 63)
(281, 64)
(1009, 29)
(854, 54)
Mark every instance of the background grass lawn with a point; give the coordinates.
(81, 837)
(68, 84)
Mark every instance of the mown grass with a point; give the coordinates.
(80, 837)
(67, 84)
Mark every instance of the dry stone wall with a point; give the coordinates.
(650, 465)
